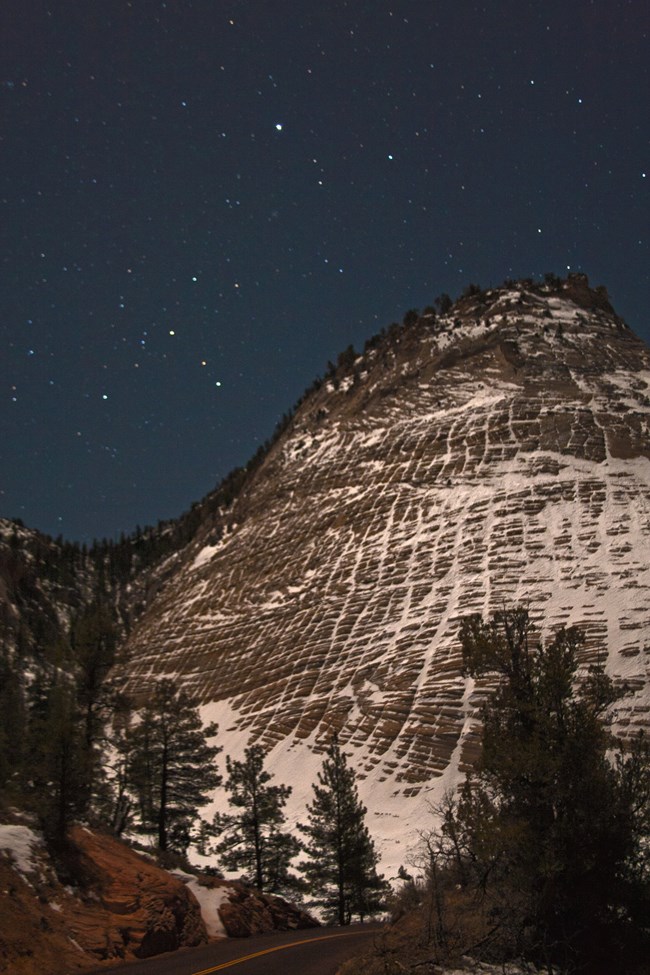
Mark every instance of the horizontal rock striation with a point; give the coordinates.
(499, 455)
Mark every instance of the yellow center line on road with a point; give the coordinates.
(266, 951)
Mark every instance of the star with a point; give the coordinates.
(159, 201)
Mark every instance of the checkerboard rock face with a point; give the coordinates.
(498, 456)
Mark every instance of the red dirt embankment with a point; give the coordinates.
(123, 907)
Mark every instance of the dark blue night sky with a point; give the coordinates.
(203, 202)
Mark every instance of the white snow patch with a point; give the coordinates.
(205, 555)
(20, 842)
(210, 900)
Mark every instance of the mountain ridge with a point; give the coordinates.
(495, 455)
(493, 452)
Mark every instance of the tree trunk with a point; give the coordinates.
(259, 875)
(162, 809)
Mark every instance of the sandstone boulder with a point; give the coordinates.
(113, 904)
(138, 909)
(247, 911)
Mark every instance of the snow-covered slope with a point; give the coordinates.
(498, 456)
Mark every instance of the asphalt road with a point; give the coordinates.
(317, 951)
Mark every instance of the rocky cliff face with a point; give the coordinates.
(499, 455)
(111, 904)
(121, 906)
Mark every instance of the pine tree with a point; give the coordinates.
(57, 759)
(342, 863)
(12, 725)
(93, 642)
(113, 799)
(548, 834)
(253, 837)
(171, 765)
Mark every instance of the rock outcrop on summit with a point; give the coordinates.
(499, 455)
